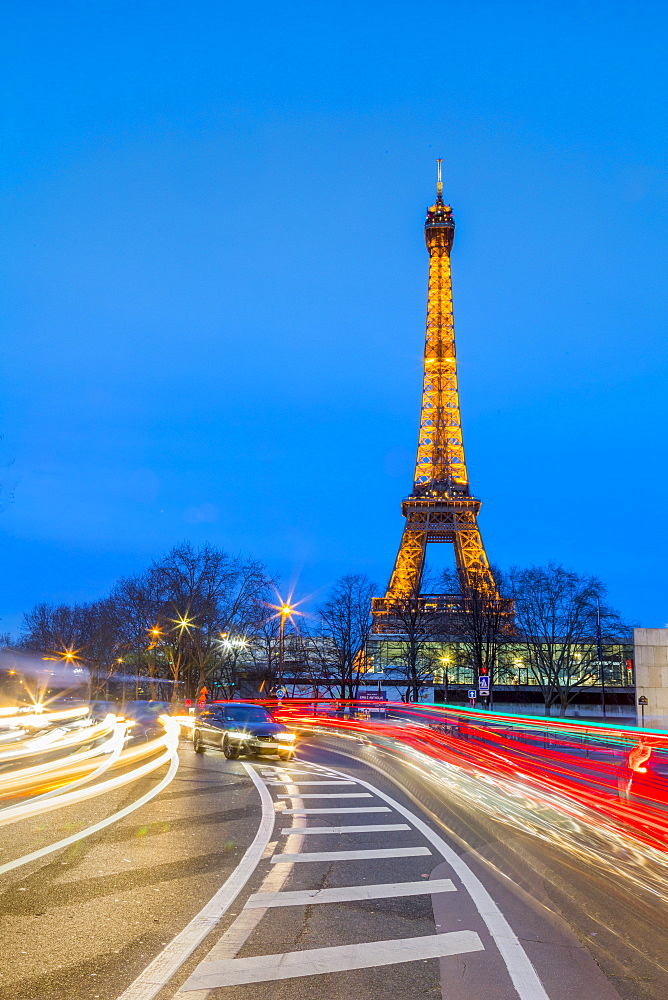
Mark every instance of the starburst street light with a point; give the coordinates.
(183, 623)
(285, 611)
(155, 633)
(227, 641)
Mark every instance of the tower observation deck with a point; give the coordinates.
(440, 507)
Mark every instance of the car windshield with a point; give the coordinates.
(246, 713)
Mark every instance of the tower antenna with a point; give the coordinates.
(439, 182)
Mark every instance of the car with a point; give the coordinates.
(238, 728)
(99, 710)
(145, 715)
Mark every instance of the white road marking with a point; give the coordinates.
(283, 770)
(266, 968)
(339, 810)
(522, 973)
(229, 944)
(245, 923)
(171, 958)
(397, 852)
(300, 784)
(347, 893)
(269, 849)
(370, 828)
(327, 795)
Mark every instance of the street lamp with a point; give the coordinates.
(155, 634)
(446, 661)
(599, 650)
(285, 611)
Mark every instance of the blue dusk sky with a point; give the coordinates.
(214, 283)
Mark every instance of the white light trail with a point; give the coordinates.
(171, 741)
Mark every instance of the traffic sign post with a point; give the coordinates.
(472, 697)
(642, 701)
(483, 687)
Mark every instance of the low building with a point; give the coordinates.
(598, 688)
(651, 659)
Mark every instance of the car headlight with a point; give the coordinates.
(288, 737)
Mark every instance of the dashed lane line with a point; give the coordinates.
(342, 958)
(348, 893)
(397, 852)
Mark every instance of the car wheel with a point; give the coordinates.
(198, 746)
(230, 751)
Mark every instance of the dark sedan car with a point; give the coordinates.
(237, 728)
(145, 715)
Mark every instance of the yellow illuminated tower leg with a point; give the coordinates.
(440, 507)
(409, 564)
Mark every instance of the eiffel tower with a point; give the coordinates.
(441, 507)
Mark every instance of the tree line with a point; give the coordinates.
(199, 617)
(559, 622)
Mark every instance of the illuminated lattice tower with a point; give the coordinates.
(441, 507)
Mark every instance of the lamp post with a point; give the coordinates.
(599, 650)
(445, 660)
(285, 612)
(155, 634)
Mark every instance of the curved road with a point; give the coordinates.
(345, 873)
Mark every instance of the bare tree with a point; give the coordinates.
(483, 623)
(318, 666)
(80, 633)
(189, 614)
(263, 670)
(345, 622)
(414, 649)
(209, 599)
(53, 628)
(135, 609)
(561, 616)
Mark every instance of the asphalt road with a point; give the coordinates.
(472, 910)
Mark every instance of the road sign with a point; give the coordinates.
(473, 694)
(642, 700)
(483, 685)
(484, 694)
(281, 692)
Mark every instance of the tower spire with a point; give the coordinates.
(439, 184)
